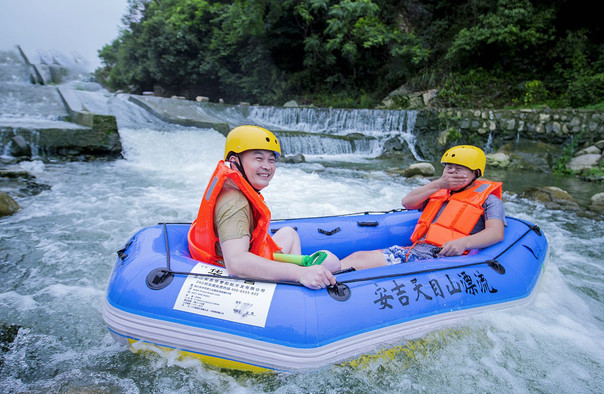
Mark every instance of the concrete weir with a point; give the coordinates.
(182, 112)
(53, 124)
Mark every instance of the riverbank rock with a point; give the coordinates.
(498, 159)
(8, 205)
(19, 147)
(403, 98)
(597, 203)
(396, 147)
(588, 159)
(294, 159)
(291, 104)
(419, 169)
(584, 162)
(526, 155)
(8, 334)
(423, 169)
(20, 183)
(552, 197)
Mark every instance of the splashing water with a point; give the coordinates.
(58, 251)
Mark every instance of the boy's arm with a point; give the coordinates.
(416, 197)
(240, 262)
(493, 232)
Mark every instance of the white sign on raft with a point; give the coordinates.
(238, 301)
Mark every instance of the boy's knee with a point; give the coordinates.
(284, 233)
(287, 231)
(290, 231)
(331, 262)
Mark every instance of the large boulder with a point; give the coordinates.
(534, 156)
(19, 147)
(396, 146)
(597, 203)
(294, 159)
(498, 160)
(8, 206)
(422, 169)
(291, 104)
(552, 197)
(419, 169)
(584, 162)
(590, 150)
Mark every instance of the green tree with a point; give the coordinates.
(506, 34)
(353, 52)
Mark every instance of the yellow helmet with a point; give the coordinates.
(467, 156)
(247, 137)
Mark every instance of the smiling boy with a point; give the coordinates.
(231, 228)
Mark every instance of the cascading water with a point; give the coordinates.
(57, 252)
(367, 129)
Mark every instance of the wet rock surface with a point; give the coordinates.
(8, 205)
(36, 120)
(19, 183)
(552, 197)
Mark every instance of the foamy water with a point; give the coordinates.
(57, 253)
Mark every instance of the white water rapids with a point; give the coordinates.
(57, 252)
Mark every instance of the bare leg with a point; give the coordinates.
(332, 262)
(288, 239)
(364, 259)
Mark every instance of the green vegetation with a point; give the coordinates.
(567, 154)
(352, 53)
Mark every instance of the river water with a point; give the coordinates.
(57, 252)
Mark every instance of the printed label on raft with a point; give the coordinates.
(406, 292)
(239, 301)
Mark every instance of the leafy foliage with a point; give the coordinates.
(353, 52)
(560, 166)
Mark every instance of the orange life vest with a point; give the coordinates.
(202, 234)
(460, 215)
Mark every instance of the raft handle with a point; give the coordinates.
(274, 230)
(367, 224)
(121, 254)
(496, 265)
(332, 232)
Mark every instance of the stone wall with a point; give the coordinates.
(495, 128)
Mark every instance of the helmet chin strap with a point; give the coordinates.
(238, 164)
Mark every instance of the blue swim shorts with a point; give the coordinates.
(396, 255)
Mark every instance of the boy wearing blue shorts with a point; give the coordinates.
(459, 213)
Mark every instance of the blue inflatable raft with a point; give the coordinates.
(158, 295)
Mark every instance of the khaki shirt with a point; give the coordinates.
(233, 217)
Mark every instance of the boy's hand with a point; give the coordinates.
(455, 247)
(316, 277)
(453, 180)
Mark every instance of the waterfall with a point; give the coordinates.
(322, 130)
(320, 144)
(373, 122)
(489, 145)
